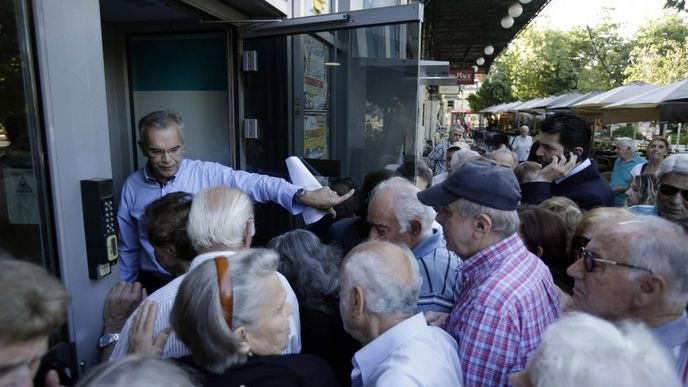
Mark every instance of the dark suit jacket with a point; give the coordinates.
(268, 371)
(587, 188)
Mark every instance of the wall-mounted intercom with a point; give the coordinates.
(100, 226)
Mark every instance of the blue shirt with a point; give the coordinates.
(140, 189)
(439, 269)
(673, 335)
(411, 353)
(621, 176)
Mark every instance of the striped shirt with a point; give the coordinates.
(164, 298)
(674, 336)
(507, 300)
(437, 158)
(439, 270)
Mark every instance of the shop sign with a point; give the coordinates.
(463, 75)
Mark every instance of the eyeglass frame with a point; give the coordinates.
(684, 192)
(224, 283)
(589, 260)
(156, 153)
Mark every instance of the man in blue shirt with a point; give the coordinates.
(162, 142)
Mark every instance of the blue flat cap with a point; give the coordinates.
(481, 182)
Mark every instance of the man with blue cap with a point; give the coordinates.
(507, 296)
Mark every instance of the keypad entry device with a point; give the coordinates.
(100, 225)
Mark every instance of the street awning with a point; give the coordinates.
(648, 105)
(593, 106)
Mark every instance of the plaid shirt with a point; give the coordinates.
(437, 158)
(507, 299)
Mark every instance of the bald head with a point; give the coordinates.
(386, 273)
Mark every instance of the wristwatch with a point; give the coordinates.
(108, 339)
(299, 194)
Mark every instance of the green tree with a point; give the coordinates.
(495, 89)
(660, 53)
(677, 4)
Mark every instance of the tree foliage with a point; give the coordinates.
(677, 4)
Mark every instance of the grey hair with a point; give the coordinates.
(627, 143)
(673, 163)
(406, 205)
(159, 120)
(505, 223)
(506, 152)
(139, 371)
(311, 266)
(218, 217)
(197, 316)
(385, 293)
(665, 254)
(583, 350)
(461, 156)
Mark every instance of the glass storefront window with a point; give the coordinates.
(20, 186)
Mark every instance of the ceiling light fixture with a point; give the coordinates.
(480, 61)
(489, 50)
(515, 10)
(507, 22)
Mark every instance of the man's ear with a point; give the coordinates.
(539, 251)
(482, 225)
(249, 232)
(415, 227)
(358, 300)
(578, 151)
(143, 148)
(652, 289)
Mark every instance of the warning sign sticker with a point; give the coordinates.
(20, 194)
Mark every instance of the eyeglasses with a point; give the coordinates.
(590, 261)
(670, 190)
(224, 282)
(156, 153)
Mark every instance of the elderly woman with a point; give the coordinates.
(313, 270)
(521, 144)
(621, 174)
(657, 151)
(233, 316)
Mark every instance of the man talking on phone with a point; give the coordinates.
(567, 171)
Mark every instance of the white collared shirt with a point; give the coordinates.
(165, 297)
(411, 353)
(586, 163)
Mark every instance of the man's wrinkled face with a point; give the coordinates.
(458, 231)
(19, 361)
(454, 136)
(607, 291)
(384, 224)
(164, 149)
(549, 147)
(673, 207)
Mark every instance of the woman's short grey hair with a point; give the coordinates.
(627, 143)
(312, 268)
(406, 205)
(583, 350)
(673, 163)
(385, 293)
(661, 246)
(218, 218)
(505, 223)
(461, 156)
(139, 371)
(197, 315)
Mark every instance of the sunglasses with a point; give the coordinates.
(590, 261)
(670, 190)
(224, 282)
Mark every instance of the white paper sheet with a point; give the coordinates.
(301, 176)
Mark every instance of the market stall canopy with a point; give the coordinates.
(565, 101)
(501, 108)
(536, 104)
(459, 31)
(648, 105)
(593, 106)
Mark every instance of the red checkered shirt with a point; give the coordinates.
(507, 299)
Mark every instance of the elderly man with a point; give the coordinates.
(672, 195)
(220, 224)
(396, 215)
(162, 142)
(34, 306)
(563, 151)
(436, 158)
(507, 295)
(638, 269)
(505, 157)
(627, 159)
(379, 285)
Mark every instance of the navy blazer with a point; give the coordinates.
(586, 188)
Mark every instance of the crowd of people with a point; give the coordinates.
(500, 272)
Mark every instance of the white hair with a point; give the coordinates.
(506, 152)
(386, 294)
(627, 143)
(407, 207)
(583, 350)
(461, 156)
(139, 371)
(504, 222)
(666, 256)
(218, 218)
(673, 163)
